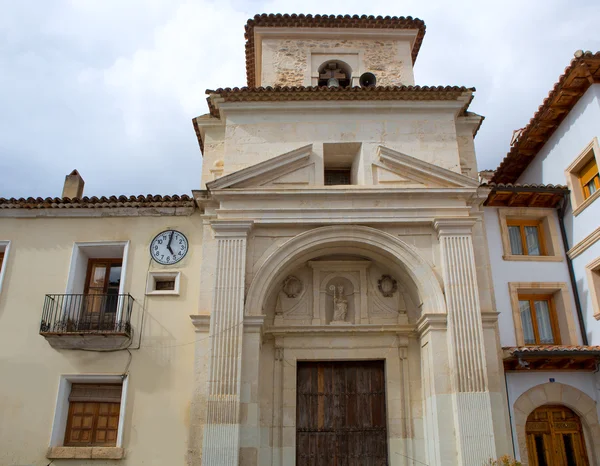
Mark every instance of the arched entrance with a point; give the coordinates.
(555, 437)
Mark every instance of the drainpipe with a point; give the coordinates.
(563, 234)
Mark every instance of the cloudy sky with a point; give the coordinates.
(110, 86)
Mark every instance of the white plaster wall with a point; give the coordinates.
(504, 272)
(572, 136)
(592, 326)
(518, 383)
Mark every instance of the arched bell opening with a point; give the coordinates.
(335, 73)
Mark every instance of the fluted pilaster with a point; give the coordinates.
(471, 397)
(222, 431)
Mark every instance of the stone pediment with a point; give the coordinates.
(290, 169)
(398, 169)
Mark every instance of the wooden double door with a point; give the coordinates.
(555, 438)
(341, 414)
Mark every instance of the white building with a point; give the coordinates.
(543, 226)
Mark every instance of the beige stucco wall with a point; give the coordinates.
(161, 374)
(292, 62)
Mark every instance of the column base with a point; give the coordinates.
(475, 429)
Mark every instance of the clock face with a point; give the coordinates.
(169, 247)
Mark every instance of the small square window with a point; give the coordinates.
(582, 177)
(4, 247)
(163, 283)
(338, 176)
(526, 237)
(538, 318)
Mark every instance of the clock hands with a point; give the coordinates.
(169, 243)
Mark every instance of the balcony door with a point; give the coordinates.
(555, 438)
(101, 294)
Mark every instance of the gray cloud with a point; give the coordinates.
(109, 86)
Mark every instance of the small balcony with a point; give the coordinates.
(87, 321)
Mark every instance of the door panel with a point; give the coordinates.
(340, 414)
(554, 438)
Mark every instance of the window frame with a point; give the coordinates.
(563, 304)
(593, 278)
(57, 447)
(4, 250)
(532, 298)
(522, 223)
(548, 233)
(574, 179)
(156, 275)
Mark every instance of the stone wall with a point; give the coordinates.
(285, 62)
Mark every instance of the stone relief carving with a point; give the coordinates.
(387, 285)
(292, 286)
(340, 304)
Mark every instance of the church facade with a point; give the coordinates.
(326, 296)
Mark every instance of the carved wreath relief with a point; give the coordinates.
(387, 285)
(292, 286)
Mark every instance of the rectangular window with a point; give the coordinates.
(93, 418)
(339, 176)
(526, 237)
(538, 319)
(588, 177)
(1, 259)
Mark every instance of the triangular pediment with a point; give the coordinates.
(396, 168)
(291, 168)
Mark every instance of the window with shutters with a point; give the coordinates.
(93, 418)
(582, 177)
(88, 420)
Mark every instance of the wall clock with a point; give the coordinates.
(169, 247)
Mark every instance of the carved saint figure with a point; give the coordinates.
(340, 303)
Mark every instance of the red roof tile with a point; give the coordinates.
(97, 202)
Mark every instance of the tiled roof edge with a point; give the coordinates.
(97, 202)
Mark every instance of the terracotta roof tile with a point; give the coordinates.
(583, 71)
(511, 350)
(327, 21)
(302, 93)
(97, 202)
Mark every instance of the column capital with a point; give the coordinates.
(201, 322)
(254, 324)
(454, 226)
(231, 229)
(431, 322)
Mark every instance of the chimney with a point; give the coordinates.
(73, 185)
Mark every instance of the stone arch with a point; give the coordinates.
(368, 241)
(554, 393)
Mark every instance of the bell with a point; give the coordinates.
(367, 80)
(333, 82)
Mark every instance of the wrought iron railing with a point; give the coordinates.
(87, 313)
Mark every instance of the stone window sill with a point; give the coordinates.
(90, 453)
(586, 203)
(525, 258)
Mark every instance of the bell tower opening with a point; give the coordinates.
(335, 73)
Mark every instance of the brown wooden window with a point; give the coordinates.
(526, 237)
(93, 415)
(588, 177)
(1, 259)
(539, 320)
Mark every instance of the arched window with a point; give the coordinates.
(554, 437)
(335, 69)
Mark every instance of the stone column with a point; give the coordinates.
(471, 397)
(222, 430)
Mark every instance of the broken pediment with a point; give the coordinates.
(289, 169)
(398, 169)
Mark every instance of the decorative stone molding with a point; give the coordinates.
(584, 244)
(558, 394)
(387, 286)
(292, 286)
(366, 240)
(201, 322)
(92, 453)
